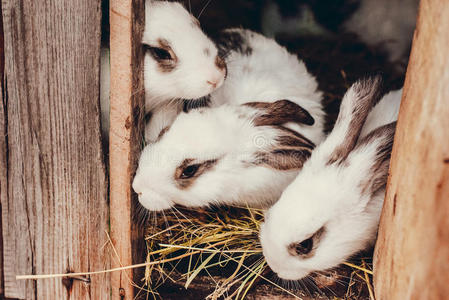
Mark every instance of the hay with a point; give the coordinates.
(221, 246)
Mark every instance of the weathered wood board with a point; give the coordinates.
(412, 252)
(125, 140)
(53, 181)
(2, 146)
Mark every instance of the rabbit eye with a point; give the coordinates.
(304, 247)
(307, 247)
(189, 171)
(164, 55)
(159, 53)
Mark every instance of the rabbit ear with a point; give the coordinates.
(280, 112)
(289, 151)
(354, 109)
(381, 139)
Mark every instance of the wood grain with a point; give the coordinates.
(125, 140)
(412, 252)
(54, 211)
(3, 185)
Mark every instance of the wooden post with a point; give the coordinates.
(53, 181)
(412, 252)
(125, 139)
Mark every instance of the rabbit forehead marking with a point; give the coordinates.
(204, 166)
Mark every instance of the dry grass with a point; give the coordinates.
(222, 246)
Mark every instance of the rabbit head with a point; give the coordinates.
(331, 210)
(180, 60)
(224, 155)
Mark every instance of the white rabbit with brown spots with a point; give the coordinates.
(331, 210)
(232, 154)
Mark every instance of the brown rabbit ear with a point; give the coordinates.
(354, 109)
(288, 152)
(280, 112)
(383, 138)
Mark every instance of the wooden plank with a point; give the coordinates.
(55, 212)
(412, 252)
(125, 139)
(3, 185)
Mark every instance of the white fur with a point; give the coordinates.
(329, 196)
(226, 133)
(388, 23)
(269, 74)
(161, 117)
(189, 80)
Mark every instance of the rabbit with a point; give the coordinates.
(332, 209)
(230, 154)
(180, 60)
(238, 151)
